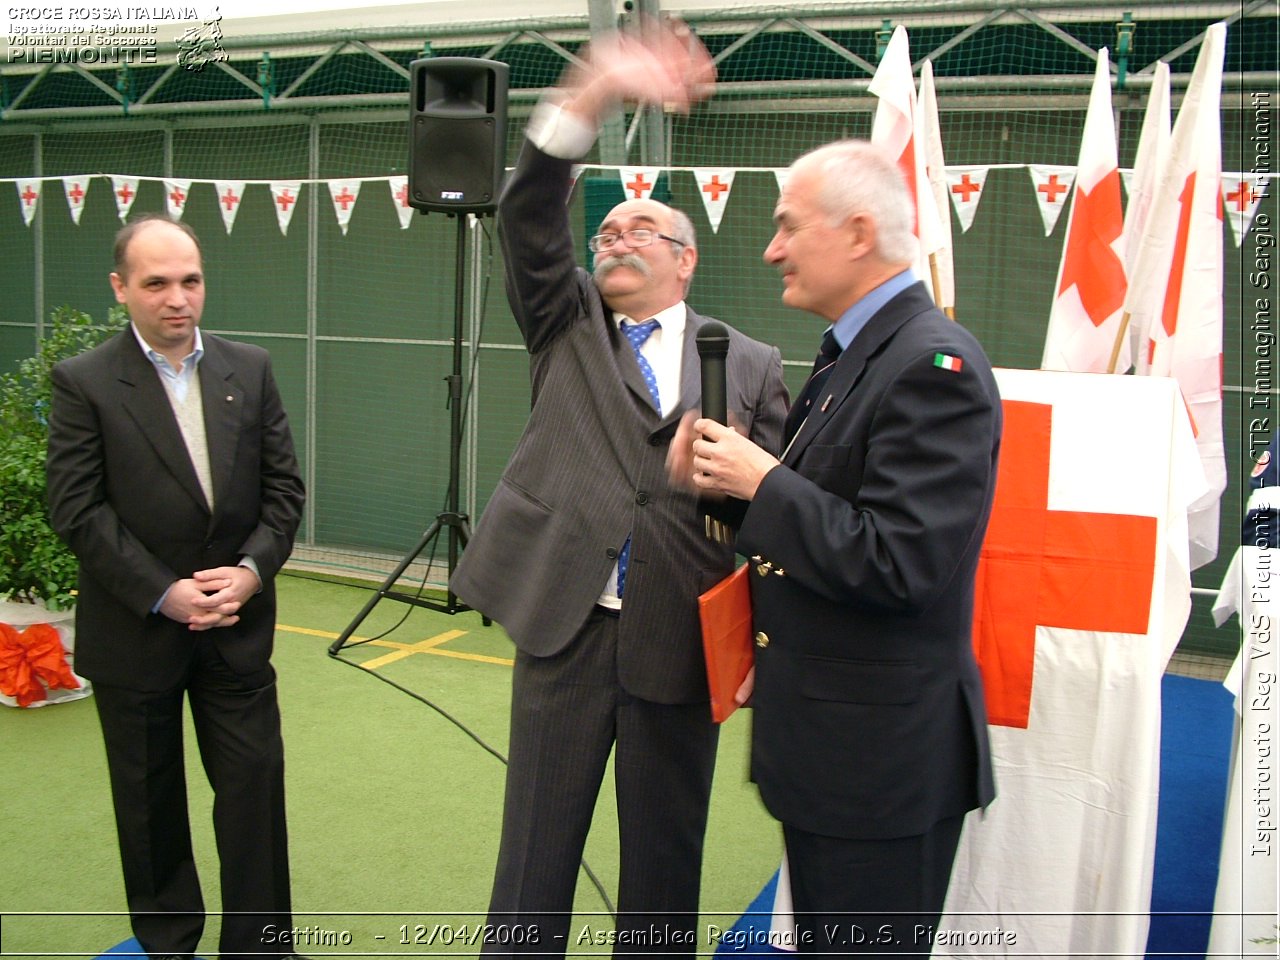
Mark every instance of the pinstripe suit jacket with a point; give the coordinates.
(589, 469)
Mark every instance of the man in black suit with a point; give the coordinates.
(173, 479)
(869, 739)
(584, 553)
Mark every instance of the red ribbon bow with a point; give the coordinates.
(30, 657)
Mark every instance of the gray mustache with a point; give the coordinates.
(633, 260)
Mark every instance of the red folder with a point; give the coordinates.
(725, 611)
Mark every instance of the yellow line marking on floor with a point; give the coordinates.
(401, 650)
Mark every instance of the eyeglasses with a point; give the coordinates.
(603, 242)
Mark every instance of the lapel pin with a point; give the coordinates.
(230, 398)
(827, 402)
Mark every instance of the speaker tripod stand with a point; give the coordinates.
(450, 520)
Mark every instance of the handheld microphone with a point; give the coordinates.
(713, 346)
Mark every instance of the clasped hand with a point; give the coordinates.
(210, 598)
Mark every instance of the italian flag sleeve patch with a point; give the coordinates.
(947, 362)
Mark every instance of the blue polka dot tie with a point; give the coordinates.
(637, 334)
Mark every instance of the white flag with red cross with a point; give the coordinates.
(1241, 193)
(965, 184)
(230, 194)
(1082, 594)
(1086, 312)
(344, 193)
(400, 197)
(126, 191)
(1175, 292)
(284, 197)
(29, 198)
(1052, 183)
(638, 182)
(935, 167)
(714, 186)
(176, 193)
(897, 129)
(75, 189)
(1141, 186)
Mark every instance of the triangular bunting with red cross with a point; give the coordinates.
(1241, 193)
(230, 196)
(126, 191)
(344, 193)
(965, 184)
(638, 182)
(176, 193)
(75, 188)
(714, 185)
(400, 197)
(284, 197)
(1052, 184)
(28, 198)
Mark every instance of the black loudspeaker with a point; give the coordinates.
(457, 133)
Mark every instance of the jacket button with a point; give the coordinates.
(642, 498)
(762, 639)
(611, 553)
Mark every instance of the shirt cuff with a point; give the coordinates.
(559, 133)
(249, 562)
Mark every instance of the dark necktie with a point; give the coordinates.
(828, 354)
(637, 334)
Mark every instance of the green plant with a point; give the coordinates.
(35, 565)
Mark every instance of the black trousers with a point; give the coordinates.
(567, 713)
(237, 724)
(870, 897)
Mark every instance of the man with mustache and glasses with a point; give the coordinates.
(585, 554)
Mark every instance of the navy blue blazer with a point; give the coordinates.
(869, 713)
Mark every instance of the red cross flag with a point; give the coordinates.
(1085, 316)
(935, 168)
(714, 186)
(284, 197)
(230, 195)
(1153, 153)
(1175, 293)
(75, 189)
(1052, 184)
(965, 184)
(896, 128)
(400, 197)
(126, 191)
(637, 182)
(176, 193)
(1082, 594)
(28, 198)
(344, 193)
(1241, 193)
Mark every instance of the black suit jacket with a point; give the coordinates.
(124, 495)
(589, 469)
(869, 714)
